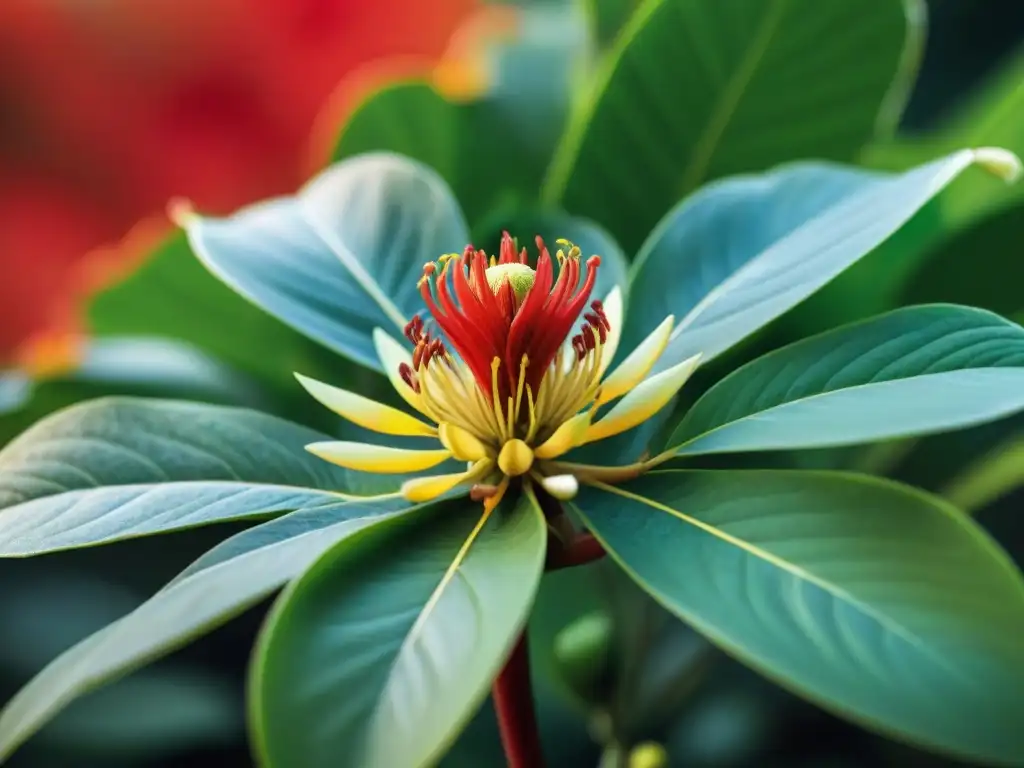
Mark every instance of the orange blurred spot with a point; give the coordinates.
(112, 108)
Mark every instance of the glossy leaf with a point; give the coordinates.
(123, 467)
(385, 648)
(879, 602)
(341, 257)
(694, 91)
(750, 248)
(265, 559)
(909, 372)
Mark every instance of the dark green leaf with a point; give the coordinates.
(344, 255)
(608, 17)
(122, 467)
(695, 91)
(190, 606)
(385, 648)
(879, 602)
(909, 372)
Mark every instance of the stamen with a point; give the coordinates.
(409, 377)
(523, 365)
(495, 400)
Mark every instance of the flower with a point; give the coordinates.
(502, 381)
(112, 108)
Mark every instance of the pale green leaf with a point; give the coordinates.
(118, 468)
(913, 371)
(341, 257)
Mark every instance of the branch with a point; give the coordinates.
(513, 701)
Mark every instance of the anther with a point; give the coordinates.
(407, 375)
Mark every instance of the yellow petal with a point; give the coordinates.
(566, 437)
(614, 312)
(423, 489)
(364, 411)
(377, 458)
(640, 361)
(643, 401)
(515, 458)
(463, 445)
(392, 354)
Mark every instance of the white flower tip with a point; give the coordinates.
(562, 487)
(1000, 162)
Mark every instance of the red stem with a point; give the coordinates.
(583, 549)
(513, 701)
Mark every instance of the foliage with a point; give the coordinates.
(699, 150)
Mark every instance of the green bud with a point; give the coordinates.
(519, 276)
(582, 651)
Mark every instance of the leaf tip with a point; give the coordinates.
(1000, 162)
(181, 211)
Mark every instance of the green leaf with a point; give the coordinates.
(750, 248)
(608, 17)
(883, 604)
(994, 116)
(261, 560)
(695, 91)
(995, 474)
(492, 150)
(385, 648)
(949, 274)
(925, 262)
(171, 295)
(118, 468)
(341, 257)
(913, 371)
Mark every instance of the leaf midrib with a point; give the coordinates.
(730, 98)
(819, 395)
(835, 591)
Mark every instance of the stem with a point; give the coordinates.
(583, 549)
(513, 701)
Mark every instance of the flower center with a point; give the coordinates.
(514, 381)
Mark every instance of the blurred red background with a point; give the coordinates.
(108, 108)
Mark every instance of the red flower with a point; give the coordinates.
(112, 107)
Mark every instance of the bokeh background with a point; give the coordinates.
(111, 108)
